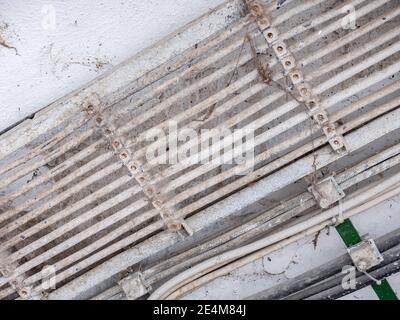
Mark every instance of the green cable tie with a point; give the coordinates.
(348, 233)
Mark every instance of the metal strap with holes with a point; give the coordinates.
(304, 89)
(92, 108)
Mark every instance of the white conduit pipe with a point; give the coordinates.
(205, 168)
(158, 108)
(324, 17)
(204, 154)
(352, 55)
(336, 25)
(93, 247)
(128, 241)
(351, 36)
(49, 157)
(261, 253)
(225, 51)
(82, 120)
(357, 199)
(218, 96)
(371, 167)
(355, 204)
(81, 219)
(55, 200)
(140, 152)
(96, 228)
(58, 185)
(215, 57)
(45, 145)
(374, 165)
(45, 177)
(260, 189)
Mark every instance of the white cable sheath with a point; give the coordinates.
(356, 203)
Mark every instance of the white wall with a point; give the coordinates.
(88, 38)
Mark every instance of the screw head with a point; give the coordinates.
(362, 265)
(256, 9)
(90, 109)
(25, 292)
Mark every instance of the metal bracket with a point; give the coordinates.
(288, 62)
(92, 107)
(134, 286)
(326, 192)
(257, 10)
(171, 221)
(365, 255)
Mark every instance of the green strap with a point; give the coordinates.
(350, 237)
(384, 291)
(348, 233)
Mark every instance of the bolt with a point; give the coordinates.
(90, 108)
(124, 155)
(362, 265)
(311, 104)
(25, 292)
(158, 203)
(149, 190)
(7, 271)
(256, 10)
(173, 226)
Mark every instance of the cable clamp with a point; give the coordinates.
(135, 286)
(365, 255)
(326, 192)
